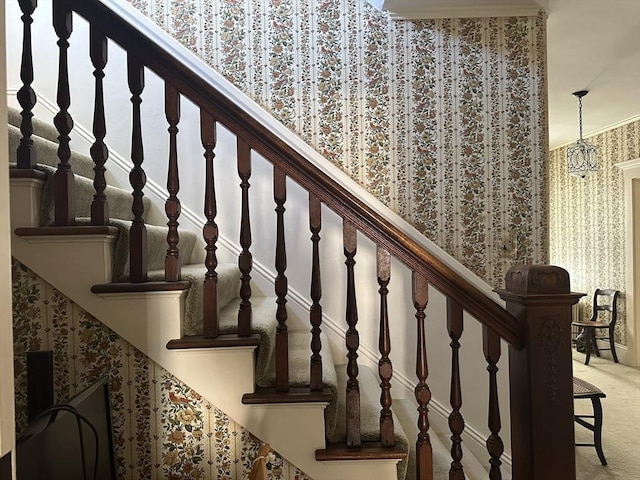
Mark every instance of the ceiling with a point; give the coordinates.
(592, 45)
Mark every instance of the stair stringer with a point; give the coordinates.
(149, 320)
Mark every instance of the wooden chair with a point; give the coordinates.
(604, 301)
(582, 389)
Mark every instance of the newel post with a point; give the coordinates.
(540, 374)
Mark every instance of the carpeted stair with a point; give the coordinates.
(264, 308)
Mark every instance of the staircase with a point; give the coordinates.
(207, 321)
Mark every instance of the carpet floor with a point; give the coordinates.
(621, 420)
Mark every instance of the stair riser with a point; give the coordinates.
(26, 194)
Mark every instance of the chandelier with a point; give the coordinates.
(581, 156)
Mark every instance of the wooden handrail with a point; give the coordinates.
(181, 75)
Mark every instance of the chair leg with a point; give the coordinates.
(612, 344)
(595, 342)
(597, 428)
(588, 332)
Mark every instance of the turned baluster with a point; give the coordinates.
(26, 153)
(281, 288)
(99, 151)
(495, 447)
(352, 338)
(137, 176)
(315, 314)
(210, 230)
(385, 369)
(172, 261)
(456, 421)
(245, 260)
(424, 453)
(64, 186)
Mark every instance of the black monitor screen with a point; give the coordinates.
(60, 445)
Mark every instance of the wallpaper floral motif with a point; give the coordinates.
(587, 219)
(443, 120)
(162, 428)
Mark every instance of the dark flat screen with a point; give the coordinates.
(55, 451)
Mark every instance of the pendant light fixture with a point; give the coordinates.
(581, 156)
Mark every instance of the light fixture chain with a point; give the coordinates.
(580, 114)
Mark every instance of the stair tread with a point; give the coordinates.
(367, 451)
(151, 286)
(221, 341)
(15, 172)
(294, 395)
(67, 230)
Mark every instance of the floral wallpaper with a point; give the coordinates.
(162, 428)
(445, 121)
(587, 219)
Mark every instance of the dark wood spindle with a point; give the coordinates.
(64, 186)
(281, 288)
(245, 260)
(315, 314)
(495, 447)
(137, 177)
(456, 421)
(99, 151)
(172, 261)
(26, 153)
(424, 454)
(385, 369)
(352, 338)
(210, 230)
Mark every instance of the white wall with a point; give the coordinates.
(7, 434)
(402, 313)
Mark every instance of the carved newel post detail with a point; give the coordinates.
(541, 373)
